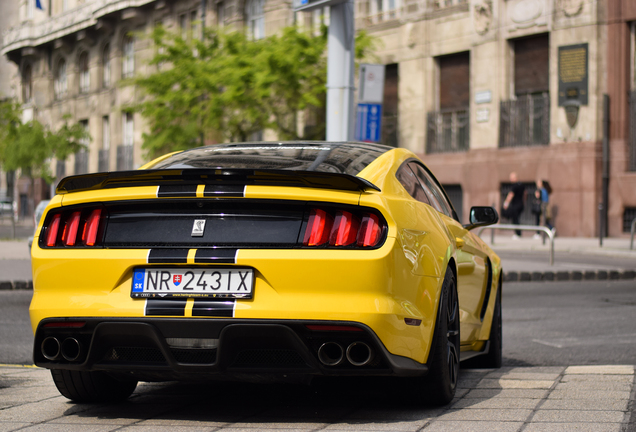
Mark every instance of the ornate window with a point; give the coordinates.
(128, 58)
(106, 66)
(255, 19)
(60, 79)
(84, 73)
(27, 84)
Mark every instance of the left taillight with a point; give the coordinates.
(340, 228)
(79, 227)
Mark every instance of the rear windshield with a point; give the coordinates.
(343, 158)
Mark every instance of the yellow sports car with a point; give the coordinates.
(262, 261)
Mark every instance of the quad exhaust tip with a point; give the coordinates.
(359, 354)
(330, 354)
(71, 349)
(50, 348)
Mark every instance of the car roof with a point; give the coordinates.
(320, 156)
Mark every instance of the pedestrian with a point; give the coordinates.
(514, 203)
(537, 208)
(546, 190)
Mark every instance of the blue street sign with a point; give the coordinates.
(369, 122)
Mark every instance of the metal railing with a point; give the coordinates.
(448, 131)
(525, 121)
(632, 230)
(124, 157)
(548, 232)
(103, 161)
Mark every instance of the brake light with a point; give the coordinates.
(318, 228)
(370, 231)
(51, 233)
(70, 229)
(341, 228)
(89, 235)
(345, 229)
(81, 227)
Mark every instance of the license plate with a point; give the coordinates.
(235, 282)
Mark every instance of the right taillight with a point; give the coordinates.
(342, 228)
(73, 228)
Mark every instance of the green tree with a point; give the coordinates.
(29, 147)
(229, 87)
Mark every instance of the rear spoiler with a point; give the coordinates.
(261, 177)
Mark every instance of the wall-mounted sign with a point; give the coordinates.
(483, 115)
(371, 84)
(484, 96)
(573, 75)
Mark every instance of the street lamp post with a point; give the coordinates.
(340, 65)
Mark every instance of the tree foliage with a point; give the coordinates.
(227, 87)
(29, 147)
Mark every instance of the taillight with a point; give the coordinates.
(341, 228)
(70, 229)
(89, 234)
(51, 233)
(370, 231)
(81, 227)
(345, 229)
(318, 228)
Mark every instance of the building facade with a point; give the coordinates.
(477, 88)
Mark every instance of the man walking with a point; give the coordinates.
(513, 204)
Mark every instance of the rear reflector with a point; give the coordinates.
(324, 327)
(65, 324)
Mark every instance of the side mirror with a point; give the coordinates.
(482, 216)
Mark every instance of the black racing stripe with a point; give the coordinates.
(213, 308)
(168, 256)
(186, 190)
(224, 190)
(165, 307)
(221, 256)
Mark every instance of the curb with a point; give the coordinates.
(574, 275)
(16, 285)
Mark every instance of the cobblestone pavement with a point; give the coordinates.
(528, 399)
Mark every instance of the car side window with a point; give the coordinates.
(412, 185)
(435, 194)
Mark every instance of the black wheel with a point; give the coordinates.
(86, 387)
(441, 381)
(493, 359)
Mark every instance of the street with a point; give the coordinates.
(551, 330)
(545, 324)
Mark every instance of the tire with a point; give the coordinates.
(90, 387)
(493, 359)
(440, 383)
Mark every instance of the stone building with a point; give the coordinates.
(478, 88)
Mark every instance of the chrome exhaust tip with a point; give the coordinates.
(359, 354)
(330, 354)
(50, 348)
(71, 349)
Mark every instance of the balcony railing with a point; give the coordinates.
(525, 121)
(103, 161)
(124, 157)
(448, 131)
(81, 162)
(632, 131)
(30, 33)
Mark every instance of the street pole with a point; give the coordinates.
(340, 69)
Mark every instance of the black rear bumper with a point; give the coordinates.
(244, 349)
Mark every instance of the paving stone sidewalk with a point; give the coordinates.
(528, 399)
